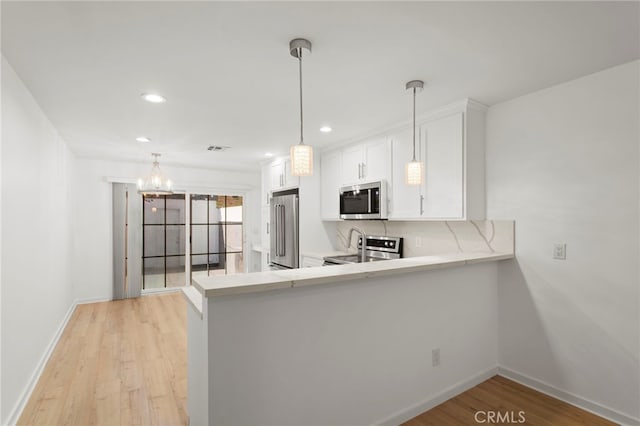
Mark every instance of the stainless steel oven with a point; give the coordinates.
(364, 201)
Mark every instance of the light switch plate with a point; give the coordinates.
(559, 251)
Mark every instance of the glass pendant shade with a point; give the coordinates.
(413, 169)
(301, 154)
(156, 183)
(301, 160)
(413, 173)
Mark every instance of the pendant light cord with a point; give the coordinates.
(300, 71)
(414, 124)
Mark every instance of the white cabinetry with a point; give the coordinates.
(366, 162)
(451, 148)
(330, 182)
(441, 148)
(280, 175)
(405, 199)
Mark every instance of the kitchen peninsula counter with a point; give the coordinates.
(281, 279)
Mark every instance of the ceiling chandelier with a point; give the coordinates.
(413, 169)
(156, 183)
(301, 154)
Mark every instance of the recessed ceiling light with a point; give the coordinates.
(325, 129)
(154, 98)
(268, 154)
(143, 139)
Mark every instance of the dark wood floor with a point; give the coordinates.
(502, 401)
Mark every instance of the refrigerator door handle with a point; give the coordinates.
(282, 232)
(274, 234)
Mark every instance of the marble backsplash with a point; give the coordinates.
(437, 237)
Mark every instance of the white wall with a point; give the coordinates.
(36, 246)
(92, 230)
(563, 163)
(353, 353)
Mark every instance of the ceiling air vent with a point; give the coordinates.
(217, 148)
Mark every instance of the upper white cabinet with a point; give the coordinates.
(451, 148)
(330, 181)
(405, 199)
(366, 162)
(280, 176)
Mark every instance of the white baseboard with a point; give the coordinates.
(569, 398)
(91, 300)
(429, 403)
(15, 414)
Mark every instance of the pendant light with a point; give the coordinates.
(156, 183)
(301, 154)
(413, 169)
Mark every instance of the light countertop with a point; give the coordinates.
(215, 286)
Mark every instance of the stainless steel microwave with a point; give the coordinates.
(364, 201)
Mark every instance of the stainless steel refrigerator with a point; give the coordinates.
(284, 230)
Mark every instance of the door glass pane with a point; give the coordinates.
(216, 241)
(153, 240)
(176, 207)
(175, 271)
(199, 209)
(199, 239)
(235, 263)
(153, 270)
(175, 240)
(153, 209)
(216, 264)
(198, 266)
(216, 209)
(234, 210)
(233, 238)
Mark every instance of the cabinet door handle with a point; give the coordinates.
(364, 174)
(421, 205)
(267, 227)
(359, 170)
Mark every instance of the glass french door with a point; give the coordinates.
(216, 235)
(163, 241)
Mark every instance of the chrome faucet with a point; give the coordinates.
(363, 250)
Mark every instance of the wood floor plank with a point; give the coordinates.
(117, 363)
(501, 395)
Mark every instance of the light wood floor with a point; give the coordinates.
(117, 363)
(124, 363)
(505, 396)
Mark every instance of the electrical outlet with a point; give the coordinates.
(559, 251)
(418, 241)
(435, 357)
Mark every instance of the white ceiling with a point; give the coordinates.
(226, 70)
